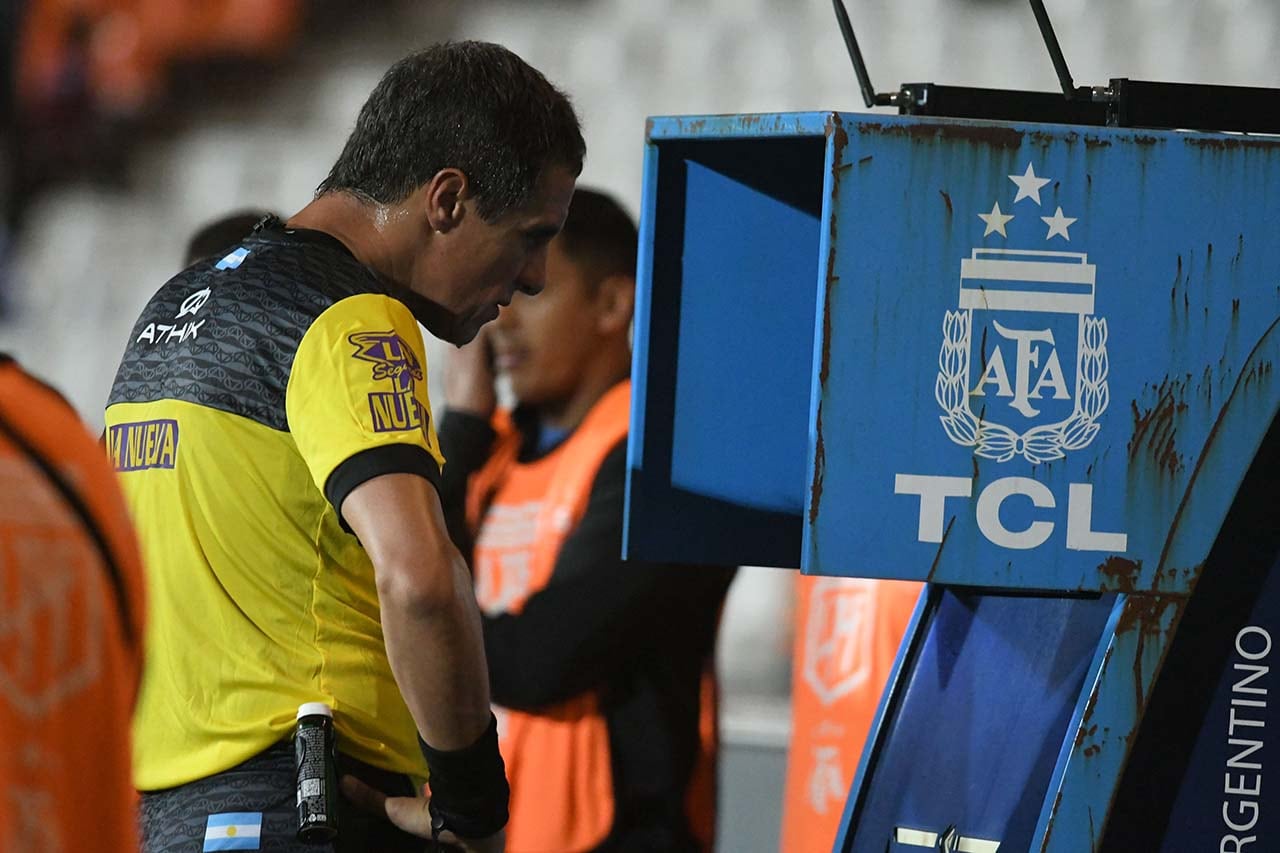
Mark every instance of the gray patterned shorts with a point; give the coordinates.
(261, 793)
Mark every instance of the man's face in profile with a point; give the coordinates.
(487, 263)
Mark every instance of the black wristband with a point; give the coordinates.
(469, 791)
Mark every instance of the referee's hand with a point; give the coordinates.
(411, 815)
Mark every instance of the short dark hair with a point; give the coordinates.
(469, 105)
(220, 234)
(599, 235)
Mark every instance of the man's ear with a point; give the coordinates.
(443, 196)
(615, 303)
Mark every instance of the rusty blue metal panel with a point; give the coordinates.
(1105, 723)
(1047, 353)
(976, 727)
(710, 128)
(724, 339)
(1037, 358)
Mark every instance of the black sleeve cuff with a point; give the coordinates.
(374, 462)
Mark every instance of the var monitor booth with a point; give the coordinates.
(1036, 366)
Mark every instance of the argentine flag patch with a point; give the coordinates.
(233, 260)
(233, 831)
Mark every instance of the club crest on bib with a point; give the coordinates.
(1022, 370)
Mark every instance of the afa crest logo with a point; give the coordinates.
(393, 360)
(1033, 399)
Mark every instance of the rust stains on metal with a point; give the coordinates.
(824, 368)
(1123, 573)
(1046, 138)
(1144, 616)
(839, 142)
(1093, 695)
(997, 137)
(1172, 575)
(1155, 428)
(946, 198)
(1234, 143)
(1213, 433)
(839, 138)
(824, 371)
(1257, 371)
(691, 128)
(1091, 142)
(1144, 613)
(648, 128)
(1084, 733)
(1169, 458)
(1053, 815)
(819, 471)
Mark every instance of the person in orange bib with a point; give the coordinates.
(847, 635)
(600, 667)
(71, 627)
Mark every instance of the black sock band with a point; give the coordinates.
(469, 791)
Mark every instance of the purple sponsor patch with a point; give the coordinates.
(394, 360)
(395, 412)
(142, 445)
(392, 357)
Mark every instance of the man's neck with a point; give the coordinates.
(567, 414)
(369, 230)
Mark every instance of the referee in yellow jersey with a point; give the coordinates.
(273, 435)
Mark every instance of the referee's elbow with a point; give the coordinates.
(421, 584)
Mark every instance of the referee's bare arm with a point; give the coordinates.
(430, 621)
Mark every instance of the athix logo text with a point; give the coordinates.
(1036, 388)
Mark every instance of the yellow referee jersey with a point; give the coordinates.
(255, 393)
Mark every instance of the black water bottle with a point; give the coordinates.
(315, 758)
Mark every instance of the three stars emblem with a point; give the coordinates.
(1029, 185)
